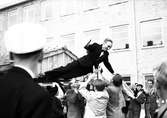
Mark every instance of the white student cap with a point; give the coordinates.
(25, 38)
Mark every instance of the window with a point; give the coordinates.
(119, 13)
(68, 22)
(148, 77)
(127, 80)
(12, 17)
(120, 36)
(50, 44)
(1, 23)
(151, 32)
(49, 39)
(93, 35)
(68, 41)
(90, 5)
(46, 10)
(29, 13)
(112, 2)
(68, 8)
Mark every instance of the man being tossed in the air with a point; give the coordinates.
(96, 54)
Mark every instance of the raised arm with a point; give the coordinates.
(91, 47)
(84, 84)
(108, 65)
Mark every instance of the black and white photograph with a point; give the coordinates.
(83, 58)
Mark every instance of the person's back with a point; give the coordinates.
(113, 99)
(96, 101)
(73, 104)
(116, 99)
(19, 96)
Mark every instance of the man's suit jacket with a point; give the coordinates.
(93, 57)
(22, 98)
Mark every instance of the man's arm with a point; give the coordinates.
(82, 89)
(84, 84)
(87, 44)
(107, 64)
(91, 47)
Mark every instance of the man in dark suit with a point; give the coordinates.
(20, 96)
(135, 104)
(96, 54)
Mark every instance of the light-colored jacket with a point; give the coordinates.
(96, 103)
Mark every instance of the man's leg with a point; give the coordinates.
(76, 72)
(58, 72)
(147, 110)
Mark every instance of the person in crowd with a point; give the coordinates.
(74, 102)
(96, 54)
(20, 96)
(60, 93)
(116, 98)
(128, 94)
(135, 103)
(96, 101)
(161, 86)
(56, 105)
(90, 86)
(151, 99)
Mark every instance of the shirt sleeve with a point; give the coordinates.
(108, 65)
(88, 95)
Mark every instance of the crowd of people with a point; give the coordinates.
(96, 97)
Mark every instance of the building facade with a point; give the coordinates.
(138, 29)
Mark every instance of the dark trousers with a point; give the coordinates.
(149, 113)
(71, 70)
(134, 114)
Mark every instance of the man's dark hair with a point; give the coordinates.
(117, 80)
(99, 84)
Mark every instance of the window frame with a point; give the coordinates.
(32, 6)
(43, 11)
(92, 39)
(92, 8)
(127, 82)
(145, 80)
(66, 12)
(128, 41)
(65, 43)
(15, 10)
(161, 33)
(116, 3)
